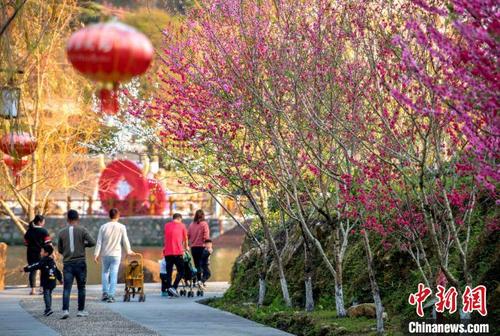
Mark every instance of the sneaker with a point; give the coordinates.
(173, 291)
(164, 294)
(110, 299)
(65, 314)
(82, 313)
(48, 313)
(104, 297)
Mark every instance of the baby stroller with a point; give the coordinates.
(134, 278)
(189, 278)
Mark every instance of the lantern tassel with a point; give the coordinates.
(109, 101)
(17, 177)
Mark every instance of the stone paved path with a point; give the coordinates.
(15, 321)
(161, 315)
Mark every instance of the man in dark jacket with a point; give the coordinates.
(49, 274)
(71, 243)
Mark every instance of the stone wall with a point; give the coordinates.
(141, 230)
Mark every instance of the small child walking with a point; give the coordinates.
(205, 261)
(163, 276)
(49, 275)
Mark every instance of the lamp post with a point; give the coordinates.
(9, 102)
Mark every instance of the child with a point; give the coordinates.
(163, 276)
(205, 260)
(49, 274)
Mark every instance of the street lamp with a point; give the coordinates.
(9, 102)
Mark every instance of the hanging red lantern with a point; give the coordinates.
(18, 144)
(109, 53)
(16, 165)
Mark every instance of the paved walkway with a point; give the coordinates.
(166, 316)
(15, 321)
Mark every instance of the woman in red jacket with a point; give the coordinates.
(198, 232)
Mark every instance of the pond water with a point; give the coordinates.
(221, 263)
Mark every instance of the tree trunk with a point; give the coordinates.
(279, 264)
(34, 176)
(262, 288)
(338, 278)
(379, 309)
(339, 298)
(308, 278)
(17, 222)
(262, 276)
(274, 249)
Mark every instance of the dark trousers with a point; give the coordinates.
(205, 263)
(32, 259)
(197, 253)
(47, 298)
(163, 278)
(74, 270)
(178, 261)
(32, 278)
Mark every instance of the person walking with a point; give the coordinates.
(173, 251)
(35, 238)
(50, 273)
(71, 244)
(112, 236)
(198, 233)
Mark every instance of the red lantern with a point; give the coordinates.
(109, 53)
(16, 165)
(18, 144)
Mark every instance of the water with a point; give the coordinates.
(221, 262)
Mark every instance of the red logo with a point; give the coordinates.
(419, 297)
(472, 299)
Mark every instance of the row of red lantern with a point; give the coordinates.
(109, 53)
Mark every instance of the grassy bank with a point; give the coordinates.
(298, 322)
(396, 274)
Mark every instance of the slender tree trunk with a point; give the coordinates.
(19, 225)
(338, 278)
(274, 249)
(32, 203)
(279, 264)
(262, 288)
(379, 309)
(339, 296)
(262, 277)
(308, 278)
